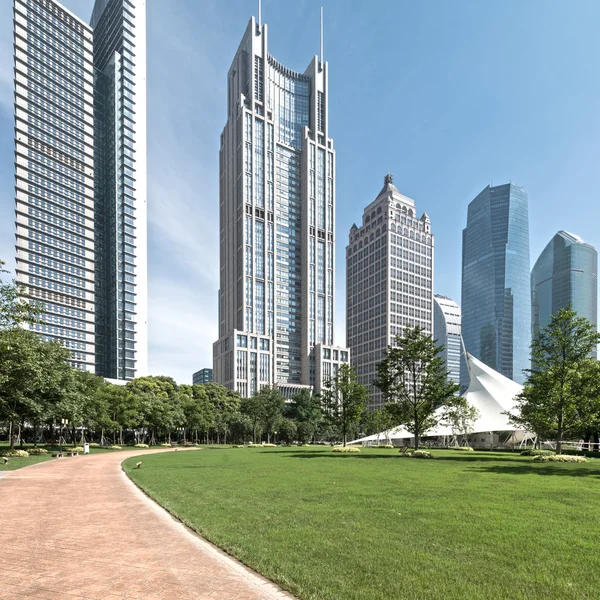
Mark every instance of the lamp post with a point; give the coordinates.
(63, 422)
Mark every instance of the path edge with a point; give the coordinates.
(266, 586)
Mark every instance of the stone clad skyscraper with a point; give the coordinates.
(277, 210)
(80, 179)
(389, 280)
(496, 300)
(565, 274)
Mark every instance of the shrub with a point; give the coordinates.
(94, 445)
(165, 444)
(238, 446)
(75, 449)
(536, 452)
(269, 445)
(253, 446)
(37, 451)
(462, 448)
(114, 447)
(418, 454)
(15, 453)
(141, 446)
(560, 458)
(346, 449)
(389, 446)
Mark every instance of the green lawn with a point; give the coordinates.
(374, 525)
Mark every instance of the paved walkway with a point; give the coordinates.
(78, 528)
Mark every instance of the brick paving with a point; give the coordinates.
(77, 528)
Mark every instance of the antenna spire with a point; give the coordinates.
(260, 13)
(321, 53)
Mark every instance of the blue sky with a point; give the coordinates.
(447, 96)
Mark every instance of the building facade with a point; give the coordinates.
(202, 376)
(60, 183)
(277, 210)
(447, 333)
(389, 280)
(565, 274)
(496, 296)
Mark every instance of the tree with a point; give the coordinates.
(288, 430)
(345, 400)
(414, 382)
(462, 417)
(226, 403)
(273, 404)
(254, 409)
(306, 409)
(549, 402)
(14, 310)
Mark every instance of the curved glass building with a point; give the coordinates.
(446, 333)
(565, 274)
(496, 295)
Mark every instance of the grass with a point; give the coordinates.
(376, 526)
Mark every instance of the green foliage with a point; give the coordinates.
(462, 417)
(34, 451)
(414, 382)
(537, 452)
(15, 453)
(566, 458)
(344, 400)
(350, 449)
(14, 309)
(141, 446)
(114, 447)
(560, 398)
(388, 446)
(462, 448)
(418, 454)
(75, 449)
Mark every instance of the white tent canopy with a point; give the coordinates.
(490, 392)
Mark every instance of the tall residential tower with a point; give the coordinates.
(277, 210)
(389, 279)
(80, 180)
(565, 274)
(496, 301)
(446, 333)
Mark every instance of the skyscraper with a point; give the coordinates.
(389, 279)
(496, 301)
(446, 332)
(277, 198)
(202, 376)
(565, 274)
(80, 179)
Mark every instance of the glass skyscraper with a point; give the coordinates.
(565, 274)
(80, 179)
(496, 297)
(277, 197)
(389, 280)
(447, 332)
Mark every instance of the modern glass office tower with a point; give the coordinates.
(496, 298)
(202, 376)
(54, 178)
(120, 192)
(565, 274)
(446, 332)
(277, 198)
(389, 280)
(80, 179)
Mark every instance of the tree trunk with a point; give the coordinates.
(11, 427)
(35, 428)
(74, 434)
(559, 431)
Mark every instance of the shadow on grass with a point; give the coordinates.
(540, 469)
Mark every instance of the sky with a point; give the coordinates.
(447, 96)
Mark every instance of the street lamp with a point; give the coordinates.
(63, 422)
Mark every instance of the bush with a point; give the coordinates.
(418, 454)
(536, 452)
(94, 445)
(462, 448)
(141, 446)
(75, 449)
(346, 449)
(389, 446)
(269, 445)
(114, 447)
(165, 445)
(559, 458)
(238, 446)
(37, 451)
(15, 453)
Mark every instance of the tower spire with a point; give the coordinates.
(260, 13)
(321, 49)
